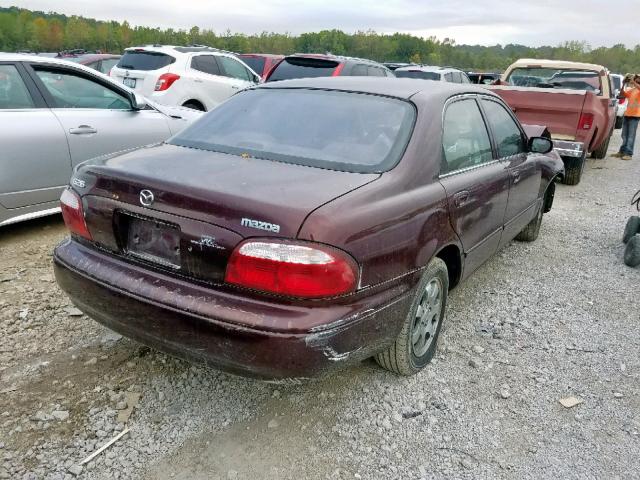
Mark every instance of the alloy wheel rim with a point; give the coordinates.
(427, 318)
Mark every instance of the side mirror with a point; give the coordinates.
(540, 145)
(138, 102)
(256, 79)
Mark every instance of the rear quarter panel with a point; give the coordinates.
(396, 224)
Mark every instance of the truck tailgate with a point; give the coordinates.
(558, 110)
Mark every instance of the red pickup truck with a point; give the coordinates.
(573, 100)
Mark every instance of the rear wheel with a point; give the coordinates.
(194, 105)
(632, 252)
(601, 151)
(631, 228)
(416, 343)
(573, 168)
(532, 230)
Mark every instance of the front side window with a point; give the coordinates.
(232, 68)
(375, 72)
(465, 139)
(73, 91)
(457, 78)
(359, 71)
(506, 133)
(448, 77)
(343, 131)
(13, 91)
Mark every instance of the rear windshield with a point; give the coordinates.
(255, 63)
(417, 74)
(143, 60)
(303, 68)
(555, 78)
(343, 131)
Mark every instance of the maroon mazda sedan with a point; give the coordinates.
(305, 224)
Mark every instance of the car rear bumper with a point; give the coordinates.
(566, 148)
(223, 330)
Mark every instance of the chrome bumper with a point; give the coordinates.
(567, 148)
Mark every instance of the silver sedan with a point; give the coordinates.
(54, 115)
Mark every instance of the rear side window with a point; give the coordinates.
(465, 139)
(255, 63)
(506, 133)
(359, 71)
(232, 68)
(298, 67)
(417, 74)
(74, 91)
(13, 92)
(448, 77)
(144, 60)
(343, 131)
(375, 72)
(206, 64)
(108, 64)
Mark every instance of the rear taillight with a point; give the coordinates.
(165, 81)
(294, 269)
(337, 70)
(586, 121)
(73, 214)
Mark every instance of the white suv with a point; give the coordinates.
(197, 77)
(427, 72)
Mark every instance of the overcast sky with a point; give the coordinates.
(486, 22)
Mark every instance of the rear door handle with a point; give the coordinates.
(461, 198)
(83, 130)
(516, 176)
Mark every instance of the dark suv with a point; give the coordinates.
(306, 65)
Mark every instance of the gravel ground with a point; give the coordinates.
(540, 322)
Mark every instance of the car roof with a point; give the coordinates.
(266, 55)
(21, 57)
(331, 56)
(394, 87)
(427, 68)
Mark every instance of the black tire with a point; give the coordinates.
(194, 105)
(573, 168)
(632, 252)
(601, 152)
(619, 121)
(631, 228)
(532, 230)
(401, 357)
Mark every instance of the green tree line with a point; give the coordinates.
(22, 29)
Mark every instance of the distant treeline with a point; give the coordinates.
(22, 29)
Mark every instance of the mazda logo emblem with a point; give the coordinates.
(146, 197)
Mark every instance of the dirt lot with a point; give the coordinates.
(540, 322)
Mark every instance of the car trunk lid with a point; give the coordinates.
(558, 110)
(185, 209)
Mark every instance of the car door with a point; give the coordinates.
(34, 157)
(477, 184)
(97, 116)
(239, 76)
(524, 169)
(207, 83)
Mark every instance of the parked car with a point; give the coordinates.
(196, 77)
(54, 115)
(304, 65)
(102, 62)
(261, 63)
(269, 245)
(621, 104)
(427, 72)
(483, 78)
(574, 100)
